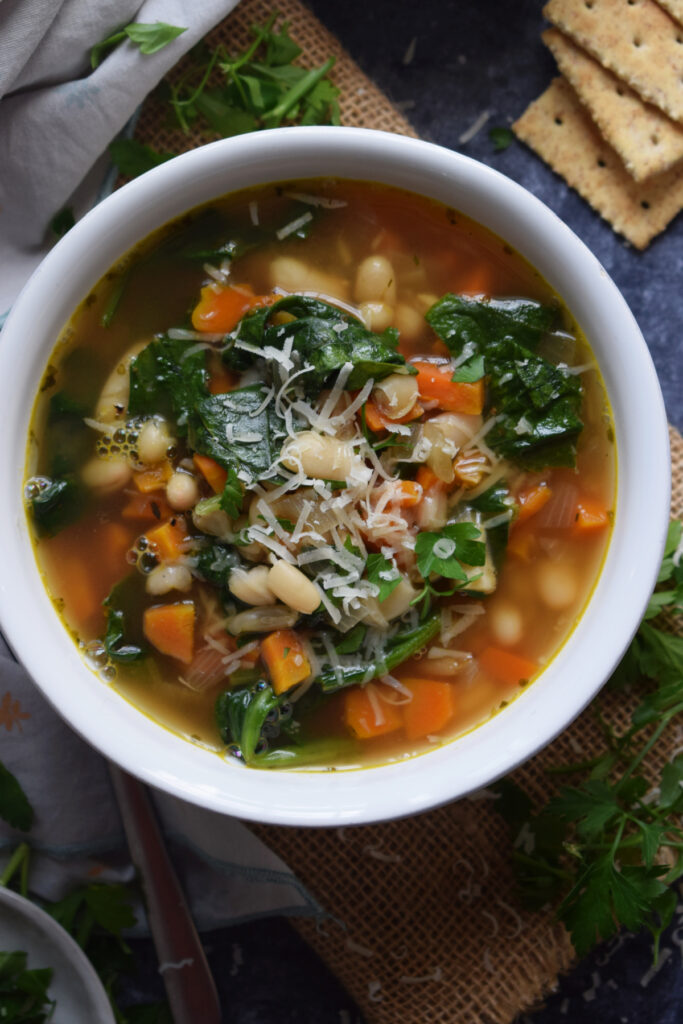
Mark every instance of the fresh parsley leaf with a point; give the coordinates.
(470, 371)
(494, 502)
(148, 37)
(501, 138)
(62, 221)
(446, 552)
(15, 808)
(353, 640)
(24, 997)
(383, 574)
(133, 158)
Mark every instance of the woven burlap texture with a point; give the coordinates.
(423, 926)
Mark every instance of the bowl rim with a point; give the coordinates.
(618, 601)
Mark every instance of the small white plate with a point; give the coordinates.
(79, 994)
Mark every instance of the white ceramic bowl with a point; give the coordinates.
(112, 725)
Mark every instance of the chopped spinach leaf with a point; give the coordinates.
(123, 639)
(167, 379)
(353, 668)
(56, 503)
(459, 320)
(495, 502)
(232, 496)
(325, 338)
(216, 561)
(470, 371)
(241, 715)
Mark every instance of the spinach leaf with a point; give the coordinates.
(325, 339)
(256, 438)
(459, 320)
(124, 640)
(241, 715)
(356, 669)
(15, 808)
(55, 503)
(494, 502)
(318, 752)
(167, 379)
(216, 561)
(537, 404)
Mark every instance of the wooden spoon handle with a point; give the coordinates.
(189, 984)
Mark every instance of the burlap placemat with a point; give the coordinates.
(424, 926)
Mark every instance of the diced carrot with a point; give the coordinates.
(511, 669)
(222, 381)
(361, 718)
(285, 659)
(221, 309)
(149, 480)
(168, 539)
(532, 501)
(428, 480)
(408, 493)
(591, 516)
(149, 508)
(215, 476)
(78, 590)
(477, 280)
(430, 710)
(377, 422)
(170, 628)
(435, 385)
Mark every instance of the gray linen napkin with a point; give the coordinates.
(56, 120)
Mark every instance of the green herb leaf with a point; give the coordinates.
(470, 371)
(62, 221)
(241, 715)
(24, 995)
(232, 496)
(448, 551)
(148, 37)
(501, 138)
(56, 504)
(15, 808)
(124, 640)
(133, 158)
(383, 574)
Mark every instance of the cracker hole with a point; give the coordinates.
(654, 139)
(679, 39)
(600, 162)
(645, 205)
(589, 5)
(558, 120)
(620, 92)
(637, 41)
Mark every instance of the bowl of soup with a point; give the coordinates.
(334, 476)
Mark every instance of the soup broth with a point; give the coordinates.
(321, 474)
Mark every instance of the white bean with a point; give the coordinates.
(441, 452)
(296, 276)
(396, 395)
(375, 281)
(557, 584)
(251, 586)
(457, 427)
(262, 620)
(376, 316)
(319, 456)
(182, 492)
(506, 622)
(106, 475)
(113, 401)
(409, 321)
(168, 577)
(153, 441)
(433, 511)
(293, 588)
(398, 600)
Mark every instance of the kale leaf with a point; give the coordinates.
(537, 403)
(325, 339)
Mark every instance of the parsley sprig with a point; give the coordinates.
(225, 95)
(606, 850)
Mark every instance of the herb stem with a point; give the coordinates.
(522, 858)
(19, 859)
(297, 92)
(651, 742)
